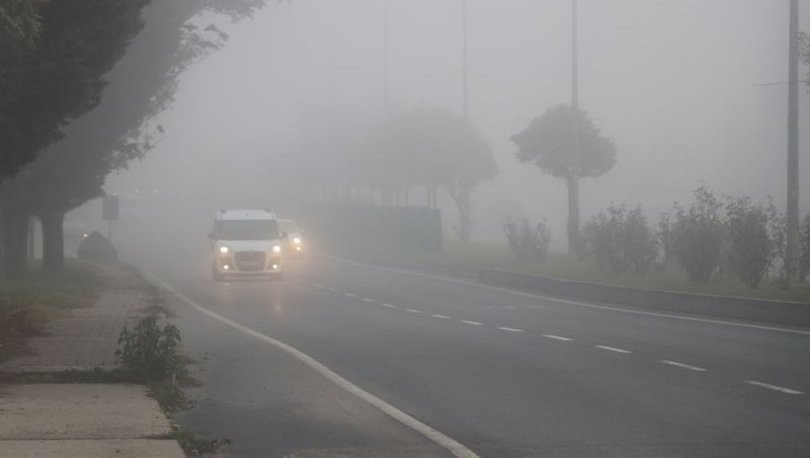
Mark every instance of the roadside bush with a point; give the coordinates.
(15, 317)
(96, 247)
(698, 233)
(665, 235)
(752, 245)
(526, 242)
(148, 351)
(620, 240)
(804, 254)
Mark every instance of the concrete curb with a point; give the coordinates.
(737, 308)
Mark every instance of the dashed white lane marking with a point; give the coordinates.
(441, 317)
(780, 389)
(504, 328)
(462, 281)
(350, 295)
(413, 311)
(334, 290)
(613, 349)
(552, 336)
(390, 306)
(474, 323)
(365, 299)
(510, 307)
(683, 366)
(317, 285)
(450, 444)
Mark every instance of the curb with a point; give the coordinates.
(738, 308)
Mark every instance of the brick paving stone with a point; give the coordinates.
(84, 340)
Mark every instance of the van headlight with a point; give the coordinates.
(297, 240)
(224, 250)
(276, 248)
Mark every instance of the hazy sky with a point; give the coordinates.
(670, 81)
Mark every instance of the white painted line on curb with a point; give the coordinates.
(350, 295)
(441, 317)
(365, 299)
(552, 336)
(504, 328)
(571, 302)
(780, 389)
(453, 446)
(683, 366)
(474, 323)
(390, 306)
(613, 349)
(413, 311)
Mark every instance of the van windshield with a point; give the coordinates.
(245, 230)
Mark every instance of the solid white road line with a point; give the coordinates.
(683, 366)
(552, 336)
(504, 328)
(350, 295)
(450, 444)
(441, 317)
(613, 349)
(569, 301)
(413, 311)
(474, 323)
(365, 299)
(774, 387)
(390, 306)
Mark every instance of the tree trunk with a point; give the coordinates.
(573, 214)
(53, 241)
(464, 217)
(15, 243)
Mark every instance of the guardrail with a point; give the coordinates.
(738, 308)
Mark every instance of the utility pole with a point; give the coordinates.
(386, 94)
(573, 185)
(793, 144)
(464, 102)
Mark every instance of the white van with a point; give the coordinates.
(246, 243)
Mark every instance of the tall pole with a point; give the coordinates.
(574, 57)
(573, 179)
(464, 102)
(793, 143)
(386, 93)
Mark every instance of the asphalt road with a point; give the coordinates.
(503, 373)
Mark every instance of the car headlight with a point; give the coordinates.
(297, 241)
(276, 248)
(223, 250)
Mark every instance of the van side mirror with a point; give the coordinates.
(284, 235)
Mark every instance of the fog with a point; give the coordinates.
(674, 83)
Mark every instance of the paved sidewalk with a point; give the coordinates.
(83, 420)
(84, 340)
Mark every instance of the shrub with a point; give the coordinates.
(526, 242)
(698, 235)
(149, 352)
(752, 245)
(666, 239)
(620, 240)
(96, 247)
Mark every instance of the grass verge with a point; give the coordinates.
(466, 260)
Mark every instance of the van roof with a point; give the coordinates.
(236, 215)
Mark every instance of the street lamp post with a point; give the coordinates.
(793, 144)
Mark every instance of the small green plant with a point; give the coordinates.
(753, 249)
(149, 351)
(699, 233)
(804, 254)
(526, 242)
